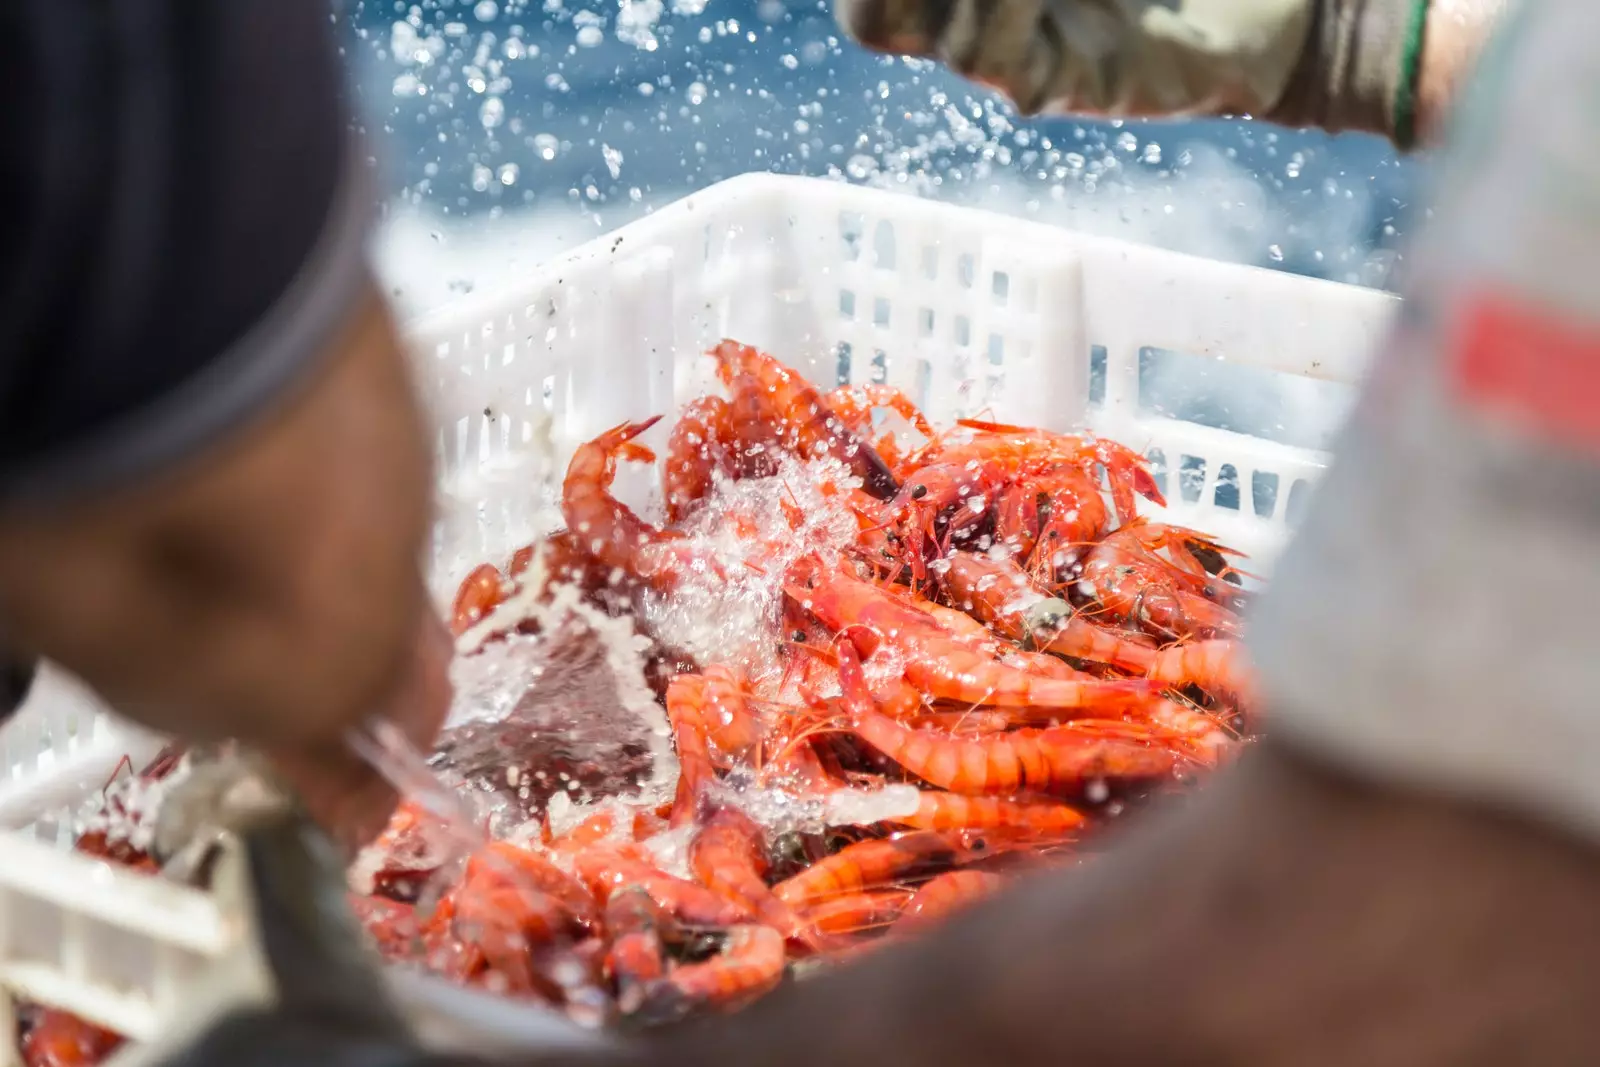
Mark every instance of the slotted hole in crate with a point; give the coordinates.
(1157, 459)
(847, 305)
(880, 311)
(1264, 492)
(122, 959)
(997, 349)
(925, 322)
(705, 250)
(851, 229)
(880, 366)
(1299, 496)
(1097, 374)
(963, 331)
(35, 930)
(1226, 494)
(883, 245)
(922, 382)
(966, 270)
(841, 363)
(1000, 289)
(1191, 477)
(547, 393)
(930, 262)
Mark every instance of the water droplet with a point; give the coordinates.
(509, 173)
(547, 145)
(492, 113)
(613, 158)
(485, 10)
(1275, 253)
(590, 37)
(695, 94)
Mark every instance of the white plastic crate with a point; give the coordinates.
(972, 314)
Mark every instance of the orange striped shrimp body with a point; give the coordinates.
(607, 528)
(1000, 594)
(1060, 760)
(939, 503)
(1125, 575)
(946, 668)
(1221, 667)
(878, 862)
(605, 870)
(636, 957)
(806, 426)
(696, 768)
(949, 893)
(750, 965)
(1126, 470)
(729, 856)
(1036, 819)
(480, 592)
(854, 405)
(519, 866)
(490, 925)
(1049, 519)
(60, 1039)
(731, 726)
(701, 446)
(854, 914)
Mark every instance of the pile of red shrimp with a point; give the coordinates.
(999, 651)
(992, 660)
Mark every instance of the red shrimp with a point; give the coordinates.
(1061, 760)
(701, 446)
(856, 913)
(606, 869)
(729, 856)
(1038, 819)
(391, 925)
(488, 928)
(696, 769)
(959, 495)
(947, 894)
(879, 862)
(1073, 515)
(480, 592)
(1000, 594)
(1126, 470)
(1126, 576)
(608, 528)
(636, 956)
(854, 405)
(945, 667)
(522, 866)
(61, 1039)
(1221, 667)
(750, 965)
(803, 420)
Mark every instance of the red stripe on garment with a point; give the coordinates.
(1532, 366)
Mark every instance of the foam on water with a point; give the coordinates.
(755, 529)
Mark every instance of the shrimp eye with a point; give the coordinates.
(918, 492)
(979, 844)
(798, 635)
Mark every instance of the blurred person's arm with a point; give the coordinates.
(1390, 67)
(214, 472)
